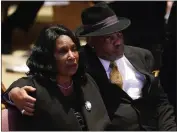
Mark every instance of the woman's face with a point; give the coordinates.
(67, 56)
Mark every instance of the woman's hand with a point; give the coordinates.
(22, 100)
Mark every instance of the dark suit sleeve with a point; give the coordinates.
(41, 120)
(25, 81)
(165, 112)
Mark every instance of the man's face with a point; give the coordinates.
(109, 47)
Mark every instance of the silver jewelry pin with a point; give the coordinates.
(88, 106)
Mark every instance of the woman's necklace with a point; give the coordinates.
(66, 88)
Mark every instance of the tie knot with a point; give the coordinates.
(112, 64)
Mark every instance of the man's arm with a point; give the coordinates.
(165, 112)
(17, 95)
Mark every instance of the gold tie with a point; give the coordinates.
(115, 75)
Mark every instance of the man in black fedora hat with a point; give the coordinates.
(132, 95)
(135, 101)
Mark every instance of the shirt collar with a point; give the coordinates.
(106, 63)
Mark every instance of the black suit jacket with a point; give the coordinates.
(150, 112)
(51, 112)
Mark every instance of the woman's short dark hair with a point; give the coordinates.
(42, 61)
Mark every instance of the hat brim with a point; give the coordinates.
(122, 24)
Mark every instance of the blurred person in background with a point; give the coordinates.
(22, 18)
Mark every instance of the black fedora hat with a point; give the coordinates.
(100, 20)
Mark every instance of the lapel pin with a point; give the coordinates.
(88, 106)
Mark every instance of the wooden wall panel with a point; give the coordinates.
(70, 15)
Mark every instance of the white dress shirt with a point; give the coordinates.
(133, 81)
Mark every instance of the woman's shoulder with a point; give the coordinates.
(24, 81)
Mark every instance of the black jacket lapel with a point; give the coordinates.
(93, 64)
(97, 117)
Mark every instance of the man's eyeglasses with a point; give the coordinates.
(113, 36)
